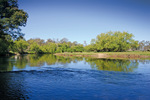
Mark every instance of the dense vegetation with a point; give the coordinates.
(11, 19)
(11, 38)
(109, 42)
(113, 41)
(50, 46)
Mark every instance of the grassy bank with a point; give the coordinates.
(109, 53)
(131, 55)
(128, 53)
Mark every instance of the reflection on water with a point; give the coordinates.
(32, 61)
(114, 64)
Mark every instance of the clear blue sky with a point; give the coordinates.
(80, 20)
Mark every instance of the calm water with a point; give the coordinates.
(49, 77)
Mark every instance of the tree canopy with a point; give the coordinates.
(11, 19)
(113, 41)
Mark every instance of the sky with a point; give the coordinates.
(83, 20)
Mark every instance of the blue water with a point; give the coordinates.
(57, 78)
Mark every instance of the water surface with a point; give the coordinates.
(47, 77)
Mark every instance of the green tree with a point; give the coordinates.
(5, 44)
(3, 47)
(59, 50)
(11, 18)
(49, 48)
(79, 48)
(35, 48)
(20, 46)
(114, 41)
(37, 40)
(69, 50)
(91, 47)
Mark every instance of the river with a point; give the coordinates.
(50, 77)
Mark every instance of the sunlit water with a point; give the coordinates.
(49, 77)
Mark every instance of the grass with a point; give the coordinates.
(109, 53)
(128, 53)
(78, 53)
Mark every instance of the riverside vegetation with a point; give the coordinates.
(11, 39)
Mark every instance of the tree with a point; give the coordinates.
(77, 48)
(20, 46)
(92, 46)
(5, 45)
(114, 41)
(11, 19)
(144, 45)
(49, 48)
(37, 40)
(50, 40)
(74, 43)
(135, 45)
(35, 48)
(63, 40)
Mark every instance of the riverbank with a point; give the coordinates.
(121, 55)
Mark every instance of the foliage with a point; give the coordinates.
(113, 41)
(91, 47)
(144, 45)
(35, 48)
(11, 18)
(20, 46)
(105, 42)
(3, 47)
(5, 44)
(49, 48)
(78, 48)
(53, 46)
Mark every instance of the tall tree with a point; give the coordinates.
(114, 41)
(11, 19)
(50, 40)
(64, 40)
(37, 40)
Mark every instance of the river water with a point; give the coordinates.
(49, 77)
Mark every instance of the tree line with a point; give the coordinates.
(50, 46)
(105, 42)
